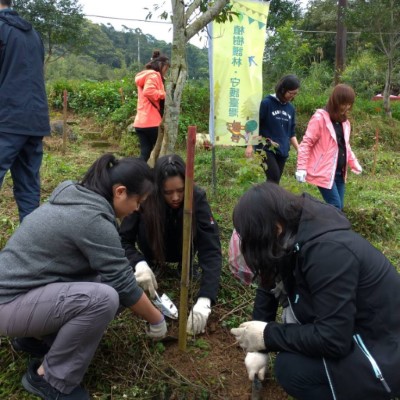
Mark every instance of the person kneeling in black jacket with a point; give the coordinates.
(153, 236)
(343, 294)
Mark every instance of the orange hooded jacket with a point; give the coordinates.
(150, 92)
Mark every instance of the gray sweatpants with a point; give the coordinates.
(71, 316)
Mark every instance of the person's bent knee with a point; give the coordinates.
(109, 297)
(282, 373)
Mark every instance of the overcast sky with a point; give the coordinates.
(132, 14)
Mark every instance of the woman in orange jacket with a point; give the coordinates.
(150, 104)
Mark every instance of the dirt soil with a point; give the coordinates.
(215, 361)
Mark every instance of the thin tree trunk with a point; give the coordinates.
(185, 26)
(175, 88)
(386, 91)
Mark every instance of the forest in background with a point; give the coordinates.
(110, 54)
(300, 40)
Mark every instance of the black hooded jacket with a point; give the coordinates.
(206, 242)
(345, 295)
(23, 100)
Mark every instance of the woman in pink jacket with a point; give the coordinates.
(325, 152)
(150, 104)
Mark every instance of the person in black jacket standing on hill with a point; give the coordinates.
(343, 341)
(24, 114)
(154, 236)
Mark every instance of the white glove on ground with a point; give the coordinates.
(301, 175)
(145, 278)
(198, 316)
(288, 316)
(250, 335)
(256, 363)
(158, 330)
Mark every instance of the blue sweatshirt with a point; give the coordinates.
(277, 122)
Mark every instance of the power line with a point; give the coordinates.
(128, 19)
(294, 30)
(300, 30)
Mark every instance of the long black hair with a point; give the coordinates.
(266, 219)
(106, 171)
(286, 84)
(154, 210)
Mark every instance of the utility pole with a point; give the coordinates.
(138, 32)
(138, 49)
(341, 39)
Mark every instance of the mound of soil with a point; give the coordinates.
(214, 361)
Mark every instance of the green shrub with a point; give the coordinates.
(364, 74)
(99, 99)
(195, 108)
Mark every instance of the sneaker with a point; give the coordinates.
(36, 385)
(34, 347)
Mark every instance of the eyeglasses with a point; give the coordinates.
(292, 92)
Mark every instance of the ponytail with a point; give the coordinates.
(107, 171)
(157, 62)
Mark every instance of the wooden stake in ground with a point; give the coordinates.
(187, 236)
(65, 103)
(375, 151)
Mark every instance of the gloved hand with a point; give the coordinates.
(198, 316)
(158, 330)
(288, 316)
(256, 363)
(145, 278)
(250, 335)
(301, 175)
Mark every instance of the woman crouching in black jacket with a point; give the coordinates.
(153, 236)
(343, 293)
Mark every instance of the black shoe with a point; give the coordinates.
(36, 385)
(34, 347)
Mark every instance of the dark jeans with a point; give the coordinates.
(335, 196)
(22, 155)
(275, 165)
(147, 139)
(302, 377)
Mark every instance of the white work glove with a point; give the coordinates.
(250, 335)
(145, 278)
(256, 363)
(357, 169)
(158, 330)
(198, 316)
(288, 316)
(301, 175)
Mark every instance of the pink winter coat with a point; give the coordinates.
(150, 92)
(318, 151)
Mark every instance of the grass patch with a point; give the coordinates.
(129, 366)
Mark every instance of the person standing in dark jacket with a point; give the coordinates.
(24, 114)
(154, 236)
(277, 122)
(343, 294)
